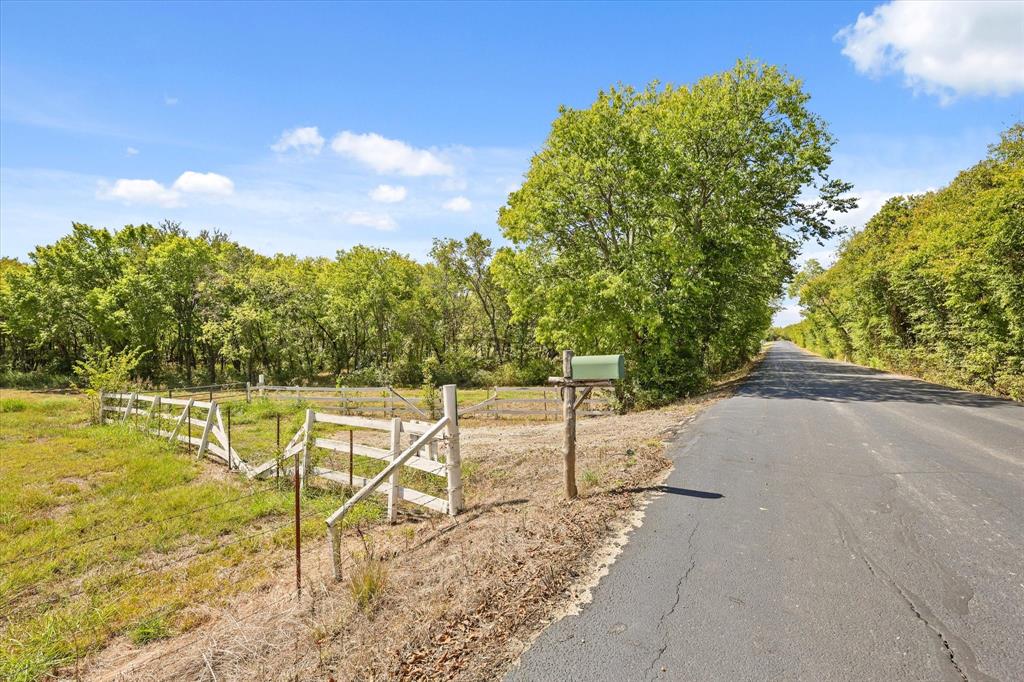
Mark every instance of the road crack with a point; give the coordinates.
(849, 540)
(651, 673)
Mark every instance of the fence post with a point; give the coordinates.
(396, 450)
(569, 417)
(248, 392)
(155, 412)
(228, 436)
(298, 527)
(260, 386)
(128, 408)
(453, 463)
(495, 406)
(207, 428)
(305, 447)
(101, 407)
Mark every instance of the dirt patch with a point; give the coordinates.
(459, 598)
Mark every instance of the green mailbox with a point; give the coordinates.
(598, 367)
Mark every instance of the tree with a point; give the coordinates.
(662, 222)
(934, 284)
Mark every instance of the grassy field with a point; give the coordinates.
(108, 534)
(106, 531)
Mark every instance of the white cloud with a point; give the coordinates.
(458, 204)
(152, 192)
(306, 139)
(389, 156)
(945, 49)
(388, 194)
(131, 151)
(139, 192)
(204, 183)
(170, 101)
(378, 221)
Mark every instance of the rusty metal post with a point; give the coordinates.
(298, 532)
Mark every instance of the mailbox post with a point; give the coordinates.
(569, 418)
(585, 372)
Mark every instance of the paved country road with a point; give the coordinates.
(828, 522)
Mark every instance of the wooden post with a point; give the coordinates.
(351, 457)
(185, 416)
(231, 463)
(260, 386)
(128, 408)
(569, 417)
(155, 411)
(496, 404)
(453, 463)
(396, 450)
(101, 407)
(207, 429)
(305, 446)
(248, 392)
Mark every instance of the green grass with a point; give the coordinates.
(106, 531)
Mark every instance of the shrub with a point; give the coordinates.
(456, 367)
(104, 370)
(39, 378)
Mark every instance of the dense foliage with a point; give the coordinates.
(204, 308)
(934, 284)
(663, 222)
(659, 223)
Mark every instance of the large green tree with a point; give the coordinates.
(662, 222)
(934, 284)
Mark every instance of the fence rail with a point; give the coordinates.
(160, 416)
(500, 403)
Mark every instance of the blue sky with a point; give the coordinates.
(426, 115)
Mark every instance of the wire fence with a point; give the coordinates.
(87, 581)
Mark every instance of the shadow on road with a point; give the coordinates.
(789, 373)
(673, 490)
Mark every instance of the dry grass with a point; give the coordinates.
(452, 598)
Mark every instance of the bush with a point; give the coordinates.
(534, 372)
(455, 367)
(102, 370)
(38, 378)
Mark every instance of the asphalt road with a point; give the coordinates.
(828, 522)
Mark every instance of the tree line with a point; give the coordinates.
(659, 222)
(933, 285)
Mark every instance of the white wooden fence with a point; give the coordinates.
(534, 401)
(422, 453)
(503, 401)
(157, 414)
(349, 400)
